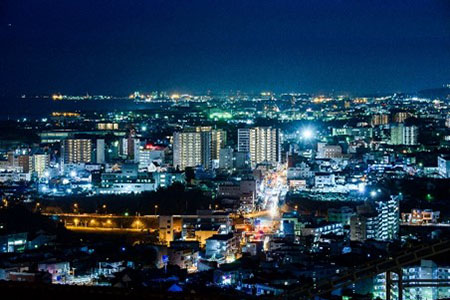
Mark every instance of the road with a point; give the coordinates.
(271, 194)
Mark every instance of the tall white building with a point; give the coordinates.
(218, 141)
(39, 163)
(404, 135)
(192, 148)
(76, 151)
(380, 222)
(100, 151)
(130, 148)
(263, 144)
(244, 140)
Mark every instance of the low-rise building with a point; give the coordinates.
(222, 247)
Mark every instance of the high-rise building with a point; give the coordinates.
(380, 119)
(76, 151)
(401, 116)
(263, 144)
(404, 135)
(130, 149)
(39, 163)
(226, 158)
(218, 141)
(244, 140)
(131, 146)
(191, 148)
(380, 221)
(100, 151)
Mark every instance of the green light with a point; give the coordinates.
(220, 115)
(126, 214)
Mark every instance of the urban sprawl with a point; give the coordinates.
(241, 195)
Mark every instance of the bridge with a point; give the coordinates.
(75, 221)
(392, 264)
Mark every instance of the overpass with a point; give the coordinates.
(392, 264)
(75, 221)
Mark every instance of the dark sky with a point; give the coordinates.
(117, 46)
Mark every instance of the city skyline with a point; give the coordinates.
(246, 149)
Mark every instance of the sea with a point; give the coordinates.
(37, 108)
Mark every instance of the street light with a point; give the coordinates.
(307, 133)
(138, 224)
(156, 208)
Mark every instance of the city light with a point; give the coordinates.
(307, 133)
(362, 187)
(175, 176)
(273, 211)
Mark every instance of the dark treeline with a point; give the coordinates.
(176, 199)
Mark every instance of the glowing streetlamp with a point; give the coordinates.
(307, 133)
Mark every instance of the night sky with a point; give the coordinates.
(118, 46)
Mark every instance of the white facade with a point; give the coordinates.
(383, 224)
(404, 135)
(100, 151)
(427, 270)
(263, 144)
(14, 176)
(444, 166)
(192, 149)
(39, 163)
(244, 140)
